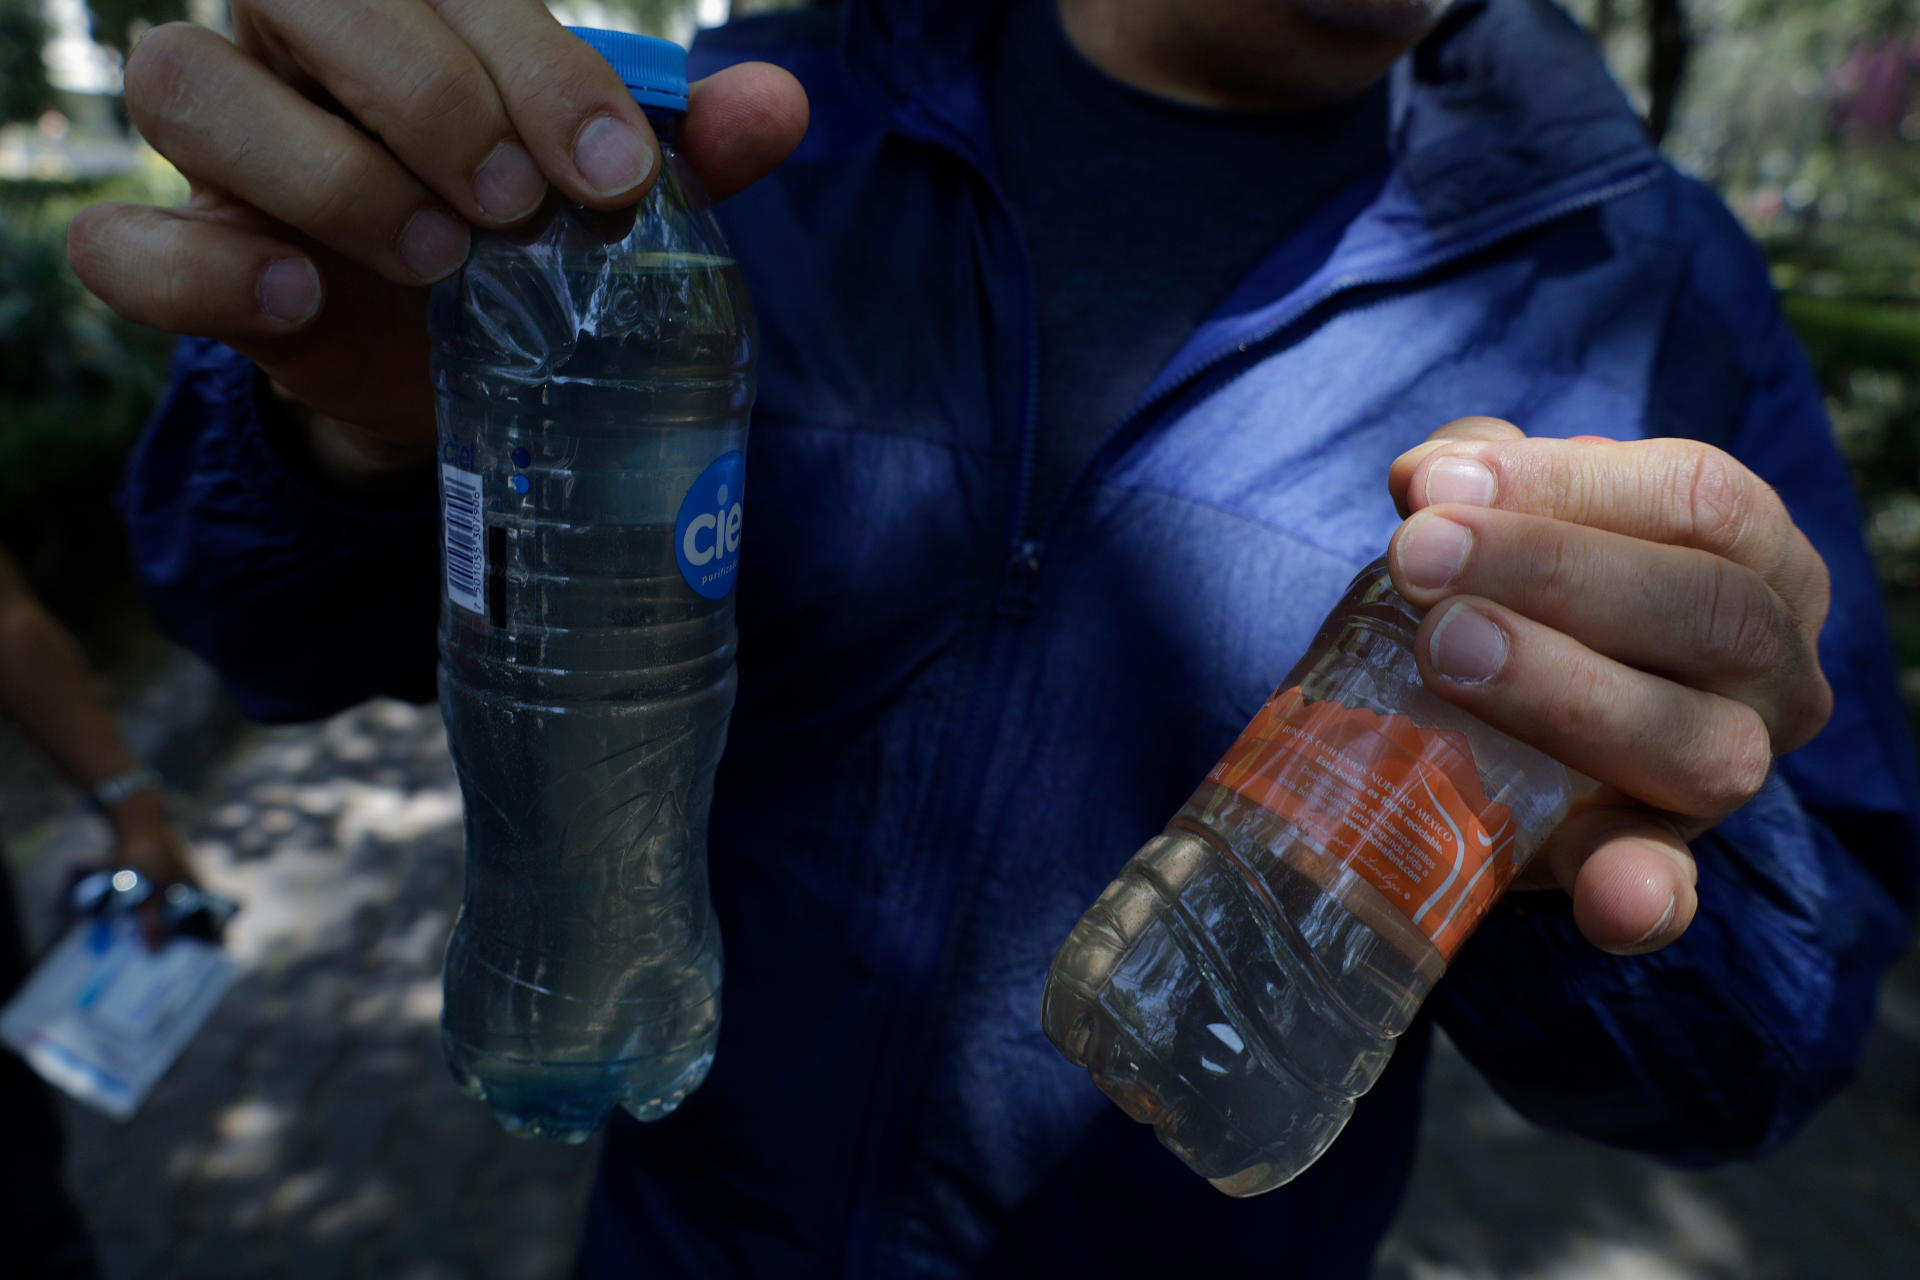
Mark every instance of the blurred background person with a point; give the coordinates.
(45, 687)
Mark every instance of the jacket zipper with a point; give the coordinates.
(945, 834)
(934, 900)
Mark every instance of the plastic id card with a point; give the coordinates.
(102, 1017)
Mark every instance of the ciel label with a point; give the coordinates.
(706, 536)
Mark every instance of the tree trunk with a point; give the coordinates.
(1669, 41)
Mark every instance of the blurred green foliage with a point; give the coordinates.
(24, 92)
(118, 23)
(76, 381)
(1868, 357)
(655, 17)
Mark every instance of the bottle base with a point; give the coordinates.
(567, 1102)
(1213, 1136)
(1257, 1180)
(1176, 1034)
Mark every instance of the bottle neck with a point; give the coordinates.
(666, 123)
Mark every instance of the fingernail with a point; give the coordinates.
(1467, 646)
(509, 185)
(1659, 927)
(289, 290)
(433, 245)
(1432, 550)
(611, 156)
(1461, 480)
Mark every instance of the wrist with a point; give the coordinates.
(115, 792)
(137, 816)
(144, 839)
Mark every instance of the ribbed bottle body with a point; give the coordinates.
(1246, 976)
(593, 376)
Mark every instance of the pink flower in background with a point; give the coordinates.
(1874, 87)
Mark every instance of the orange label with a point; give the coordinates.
(1400, 804)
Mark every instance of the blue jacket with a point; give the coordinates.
(957, 717)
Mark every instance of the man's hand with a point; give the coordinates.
(147, 841)
(338, 152)
(1645, 612)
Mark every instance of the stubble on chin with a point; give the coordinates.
(1374, 17)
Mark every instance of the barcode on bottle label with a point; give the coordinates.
(462, 504)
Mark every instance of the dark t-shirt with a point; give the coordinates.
(1141, 215)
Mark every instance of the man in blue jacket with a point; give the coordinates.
(1100, 343)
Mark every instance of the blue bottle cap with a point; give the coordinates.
(654, 70)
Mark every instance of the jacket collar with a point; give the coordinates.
(1505, 107)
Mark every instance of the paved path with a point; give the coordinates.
(311, 1130)
(1495, 1198)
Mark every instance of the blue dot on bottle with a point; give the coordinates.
(521, 458)
(519, 484)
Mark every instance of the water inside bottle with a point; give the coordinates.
(1220, 993)
(1245, 978)
(583, 385)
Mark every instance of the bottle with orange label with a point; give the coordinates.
(1246, 976)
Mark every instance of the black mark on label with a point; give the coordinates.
(497, 575)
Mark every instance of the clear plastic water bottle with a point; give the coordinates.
(593, 374)
(1245, 977)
